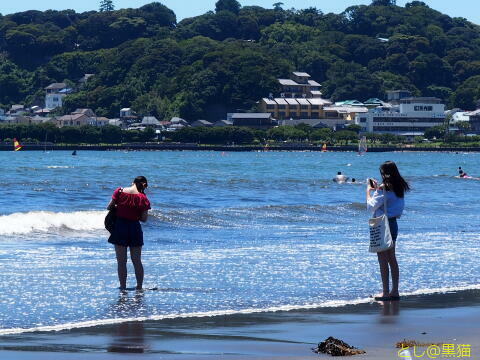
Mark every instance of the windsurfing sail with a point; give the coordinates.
(362, 145)
(324, 147)
(16, 145)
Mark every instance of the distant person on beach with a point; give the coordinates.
(340, 178)
(132, 206)
(395, 187)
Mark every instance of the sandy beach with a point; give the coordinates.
(451, 318)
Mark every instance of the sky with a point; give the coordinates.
(468, 9)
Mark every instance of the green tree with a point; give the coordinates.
(106, 5)
(324, 135)
(437, 132)
(384, 2)
(228, 5)
(278, 6)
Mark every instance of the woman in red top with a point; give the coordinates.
(132, 206)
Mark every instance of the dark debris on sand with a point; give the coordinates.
(336, 347)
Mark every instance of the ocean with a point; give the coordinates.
(228, 233)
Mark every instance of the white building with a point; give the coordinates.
(460, 116)
(126, 113)
(410, 118)
(54, 94)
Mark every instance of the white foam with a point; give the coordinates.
(59, 167)
(282, 308)
(42, 221)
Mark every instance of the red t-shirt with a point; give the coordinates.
(130, 206)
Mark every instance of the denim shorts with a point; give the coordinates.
(127, 233)
(393, 227)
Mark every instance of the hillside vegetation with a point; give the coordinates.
(227, 59)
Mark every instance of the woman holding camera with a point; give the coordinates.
(393, 186)
(131, 206)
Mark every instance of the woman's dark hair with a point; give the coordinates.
(392, 179)
(141, 183)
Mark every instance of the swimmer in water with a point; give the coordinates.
(340, 178)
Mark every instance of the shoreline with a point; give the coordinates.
(230, 148)
(449, 318)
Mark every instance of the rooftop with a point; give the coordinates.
(150, 120)
(269, 101)
(302, 101)
(291, 101)
(251, 115)
(301, 74)
(56, 86)
(281, 101)
(313, 83)
(287, 82)
(319, 101)
(71, 117)
(346, 109)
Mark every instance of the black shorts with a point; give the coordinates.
(127, 233)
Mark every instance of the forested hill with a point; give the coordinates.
(227, 59)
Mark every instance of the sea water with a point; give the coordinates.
(228, 233)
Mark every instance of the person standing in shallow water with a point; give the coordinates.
(393, 186)
(132, 206)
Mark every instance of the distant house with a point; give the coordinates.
(178, 120)
(126, 113)
(459, 116)
(80, 119)
(294, 108)
(116, 122)
(28, 120)
(344, 112)
(299, 86)
(17, 109)
(223, 123)
(253, 120)
(200, 123)
(176, 123)
(150, 121)
(373, 102)
(475, 121)
(54, 93)
(88, 112)
(394, 96)
(73, 120)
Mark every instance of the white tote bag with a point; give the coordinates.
(380, 236)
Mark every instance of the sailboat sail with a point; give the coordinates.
(362, 145)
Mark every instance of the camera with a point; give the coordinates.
(372, 183)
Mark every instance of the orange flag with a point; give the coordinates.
(16, 145)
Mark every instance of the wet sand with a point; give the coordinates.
(452, 318)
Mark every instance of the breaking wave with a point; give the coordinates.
(44, 221)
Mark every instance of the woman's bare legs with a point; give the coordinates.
(121, 252)
(392, 261)
(384, 271)
(388, 263)
(136, 256)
